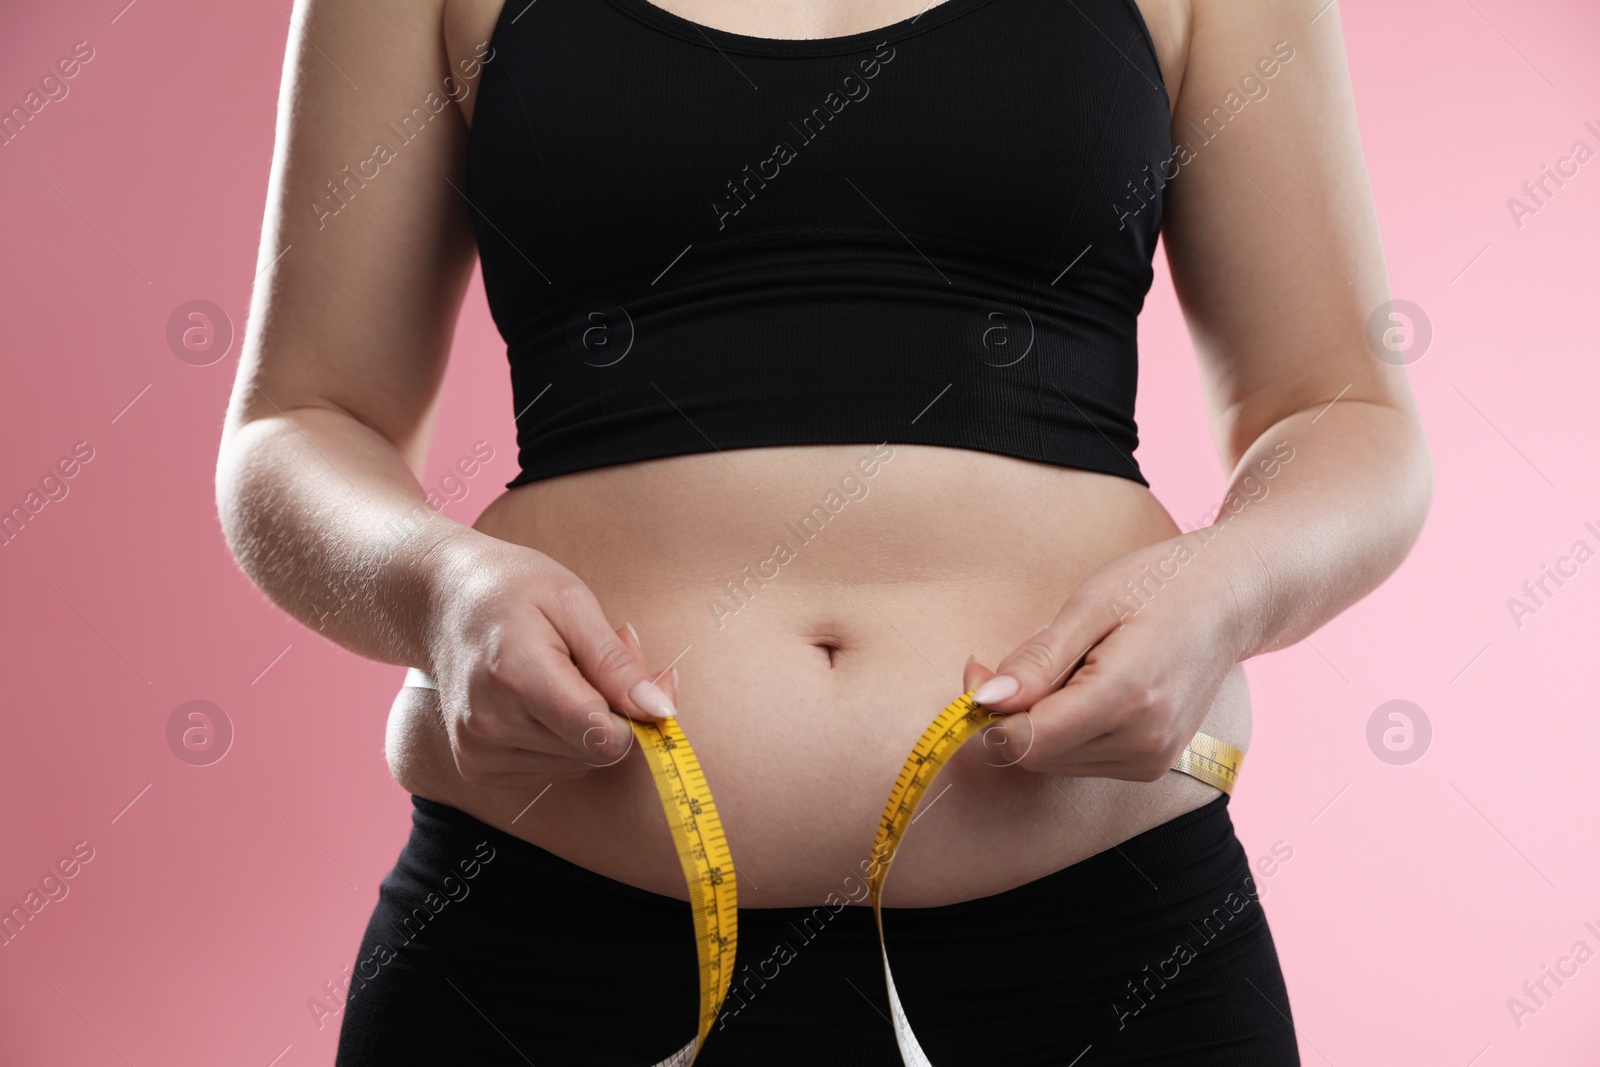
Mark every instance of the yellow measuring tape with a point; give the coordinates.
(708, 864)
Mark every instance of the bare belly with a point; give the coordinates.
(806, 674)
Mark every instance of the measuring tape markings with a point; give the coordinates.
(1212, 761)
(1206, 758)
(947, 733)
(707, 861)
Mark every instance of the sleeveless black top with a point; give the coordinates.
(939, 232)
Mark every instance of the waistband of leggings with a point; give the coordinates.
(1188, 848)
(434, 819)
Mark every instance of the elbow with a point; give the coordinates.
(1414, 492)
(1424, 471)
(229, 513)
(236, 502)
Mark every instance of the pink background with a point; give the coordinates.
(1419, 897)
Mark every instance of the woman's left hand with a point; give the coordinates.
(1150, 658)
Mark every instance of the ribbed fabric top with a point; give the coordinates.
(939, 232)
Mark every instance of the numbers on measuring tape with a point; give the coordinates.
(712, 881)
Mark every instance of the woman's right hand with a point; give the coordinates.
(531, 675)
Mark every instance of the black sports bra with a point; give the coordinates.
(939, 232)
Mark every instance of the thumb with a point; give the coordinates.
(607, 660)
(974, 675)
(1041, 664)
(1008, 737)
(668, 681)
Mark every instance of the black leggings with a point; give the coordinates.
(486, 949)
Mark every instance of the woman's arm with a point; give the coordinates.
(1273, 242)
(366, 250)
(349, 332)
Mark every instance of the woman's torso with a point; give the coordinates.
(806, 677)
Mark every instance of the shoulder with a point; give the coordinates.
(344, 296)
(1185, 32)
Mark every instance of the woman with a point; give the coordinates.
(798, 468)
